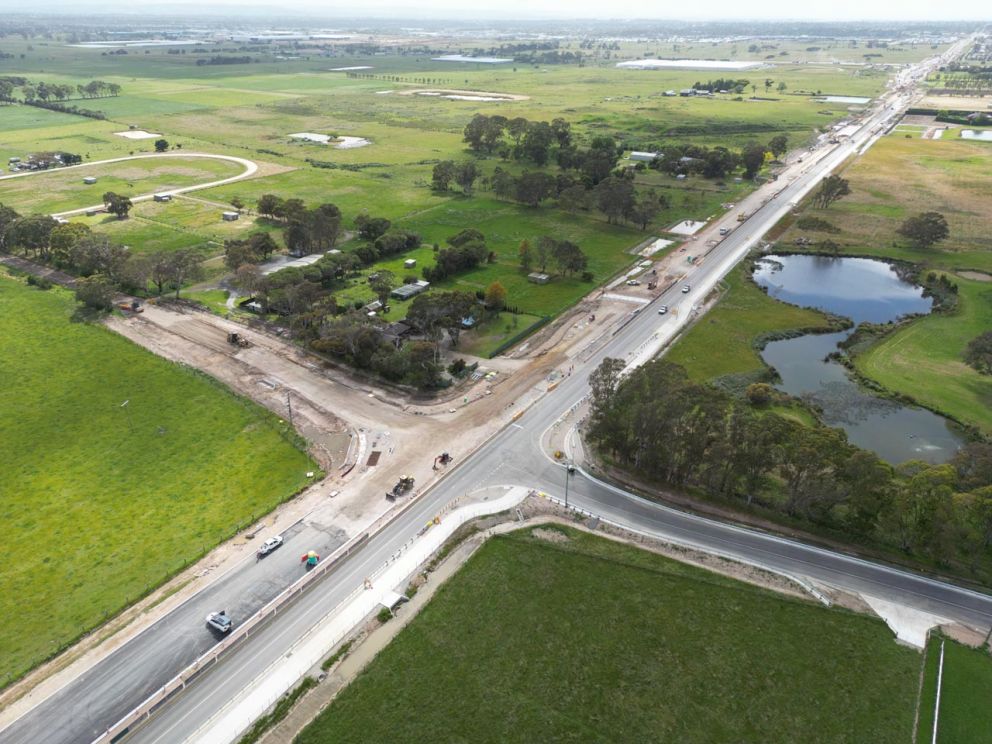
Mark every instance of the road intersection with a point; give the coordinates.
(83, 710)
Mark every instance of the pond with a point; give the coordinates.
(862, 290)
(973, 134)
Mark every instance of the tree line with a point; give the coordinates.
(46, 92)
(105, 266)
(690, 435)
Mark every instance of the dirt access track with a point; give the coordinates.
(250, 169)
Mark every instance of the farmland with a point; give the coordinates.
(62, 191)
(966, 686)
(585, 639)
(924, 360)
(897, 178)
(249, 111)
(102, 502)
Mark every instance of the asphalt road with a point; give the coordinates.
(514, 456)
(80, 712)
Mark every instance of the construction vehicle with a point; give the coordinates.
(741, 216)
(238, 340)
(132, 307)
(404, 484)
(443, 459)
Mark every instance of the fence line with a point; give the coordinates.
(936, 705)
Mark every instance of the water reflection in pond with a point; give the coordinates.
(862, 290)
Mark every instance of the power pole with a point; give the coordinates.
(289, 405)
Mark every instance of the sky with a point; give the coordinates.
(809, 10)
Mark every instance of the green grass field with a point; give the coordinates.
(723, 341)
(900, 177)
(101, 503)
(924, 360)
(589, 640)
(966, 688)
(62, 190)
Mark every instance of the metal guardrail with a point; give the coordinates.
(119, 729)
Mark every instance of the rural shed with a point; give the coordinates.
(538, 278)
(230, 216)
(643, 157)
(409, 263)
(406, 291)
(162, 197)
(89, 180)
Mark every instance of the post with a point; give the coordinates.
(127, 413)
(568, 472)
(289, 405)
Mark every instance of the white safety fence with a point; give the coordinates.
(263, 691)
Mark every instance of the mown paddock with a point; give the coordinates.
(102, 502)
(63, 189)
(899, 177)
(583, 639)
(965, 715)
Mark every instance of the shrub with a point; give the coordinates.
(385, 615)
(40, 282)
(816, 223)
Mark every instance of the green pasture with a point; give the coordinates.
(103, 502)
(63, 189)
(900, 177)
(724, 340)
(924, 359)
(584, 639)
(966, 687)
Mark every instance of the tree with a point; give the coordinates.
(95, 292)
(238, 203)
(495, 297)
(504, 185)
(382, 283)
(371, 228)
(185, 265)
(978, 353)
(443, 175)
(161, 145)
(526, 255)
(237, 253)
(465, 176)
(753, 157)
(537, 142)
(568, 257)
(615, 198)
(533, 187)
(31, 234)
(117, 204)
(574, 199)
(781, 87)
(925, 229)
(832, 188)
(62, 241)
(263, 244)
(324, 226)
(269, 205)
(778, 145)
(475, 132)
(562, 131)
